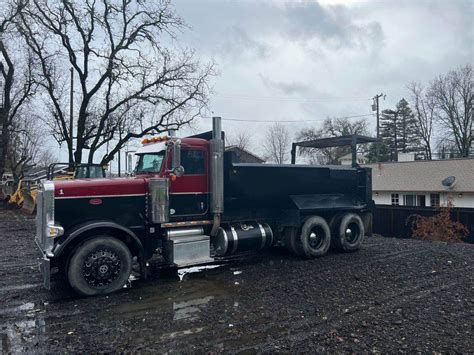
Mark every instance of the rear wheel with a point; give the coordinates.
(349, 235)
(99, 266)
(315, 237)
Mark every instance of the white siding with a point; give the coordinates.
(466, 200)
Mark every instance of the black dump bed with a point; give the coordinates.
(296, 186)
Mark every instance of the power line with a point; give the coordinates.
(290, 121)
(287, 98)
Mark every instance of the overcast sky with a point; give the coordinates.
(308, 60)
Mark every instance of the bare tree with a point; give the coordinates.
(331, 128)
(241, 139)
(425, 112)
(16, 77)
(277, 143)
(26, 147)
(129, 83)
(453, 95)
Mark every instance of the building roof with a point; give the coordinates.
(244, 155)
(423, 175)
(336, 141)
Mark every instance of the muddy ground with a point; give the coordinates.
(393, 295)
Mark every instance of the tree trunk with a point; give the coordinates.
(3, 139)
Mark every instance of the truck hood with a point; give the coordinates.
(83, 188)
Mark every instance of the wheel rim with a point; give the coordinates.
(316, 237)
(352, 232)
(101, 268)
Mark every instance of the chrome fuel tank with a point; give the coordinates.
(235, 238)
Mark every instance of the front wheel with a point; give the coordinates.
(99, 266)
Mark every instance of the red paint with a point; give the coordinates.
(95, 201)
(138, 185)
(100, 187)
(192, 183)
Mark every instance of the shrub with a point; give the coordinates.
(438, 227)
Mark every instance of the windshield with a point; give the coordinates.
(89, 172)
(149, 163)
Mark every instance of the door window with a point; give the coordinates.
(193, 162)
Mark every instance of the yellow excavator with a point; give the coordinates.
(16, 198)
(25, 195)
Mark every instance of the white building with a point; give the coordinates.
(419, 183)
(347, 159)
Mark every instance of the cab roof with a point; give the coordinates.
(159, 146)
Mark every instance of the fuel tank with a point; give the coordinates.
(233, 238)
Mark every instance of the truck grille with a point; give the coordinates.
(44, 215)
(39, 219)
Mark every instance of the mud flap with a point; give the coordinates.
(45, 268)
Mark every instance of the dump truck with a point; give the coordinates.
(189, 204)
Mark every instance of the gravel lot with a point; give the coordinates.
(393, 295)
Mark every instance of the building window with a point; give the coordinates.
(395, 200)
(409, 200)
(414, 200)
(421, 200)
(434, 200)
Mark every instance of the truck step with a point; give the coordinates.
(189, 250)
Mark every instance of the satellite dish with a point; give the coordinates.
(449, 182)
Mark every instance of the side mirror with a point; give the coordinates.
(176, 155)
(178, 171)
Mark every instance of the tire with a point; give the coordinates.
(315, 237)
(293, 242)
(350, 233)
(99, 266)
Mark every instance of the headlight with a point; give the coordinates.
(54, 231)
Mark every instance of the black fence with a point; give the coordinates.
(391, 221)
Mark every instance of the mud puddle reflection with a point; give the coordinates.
(23, 326)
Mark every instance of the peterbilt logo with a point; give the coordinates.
(95, 201)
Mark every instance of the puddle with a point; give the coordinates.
(189, 310)
(18, 287)
(29, 306)
(181, 333)
(194, 269)
(28, 324)
(26, 306)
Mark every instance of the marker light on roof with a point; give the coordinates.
(155, 140)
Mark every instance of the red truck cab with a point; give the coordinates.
(189, 193)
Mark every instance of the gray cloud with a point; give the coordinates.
(287, 88)
(247, 29)
(333, 25)
(307, 49)
(240, 44)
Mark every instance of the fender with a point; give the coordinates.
(79, 230)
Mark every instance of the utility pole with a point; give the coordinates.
(375, 107)
(71, 109)
(120, 153)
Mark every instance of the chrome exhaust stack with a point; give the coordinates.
(217, 173)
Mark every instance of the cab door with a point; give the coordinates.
(189, 194)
